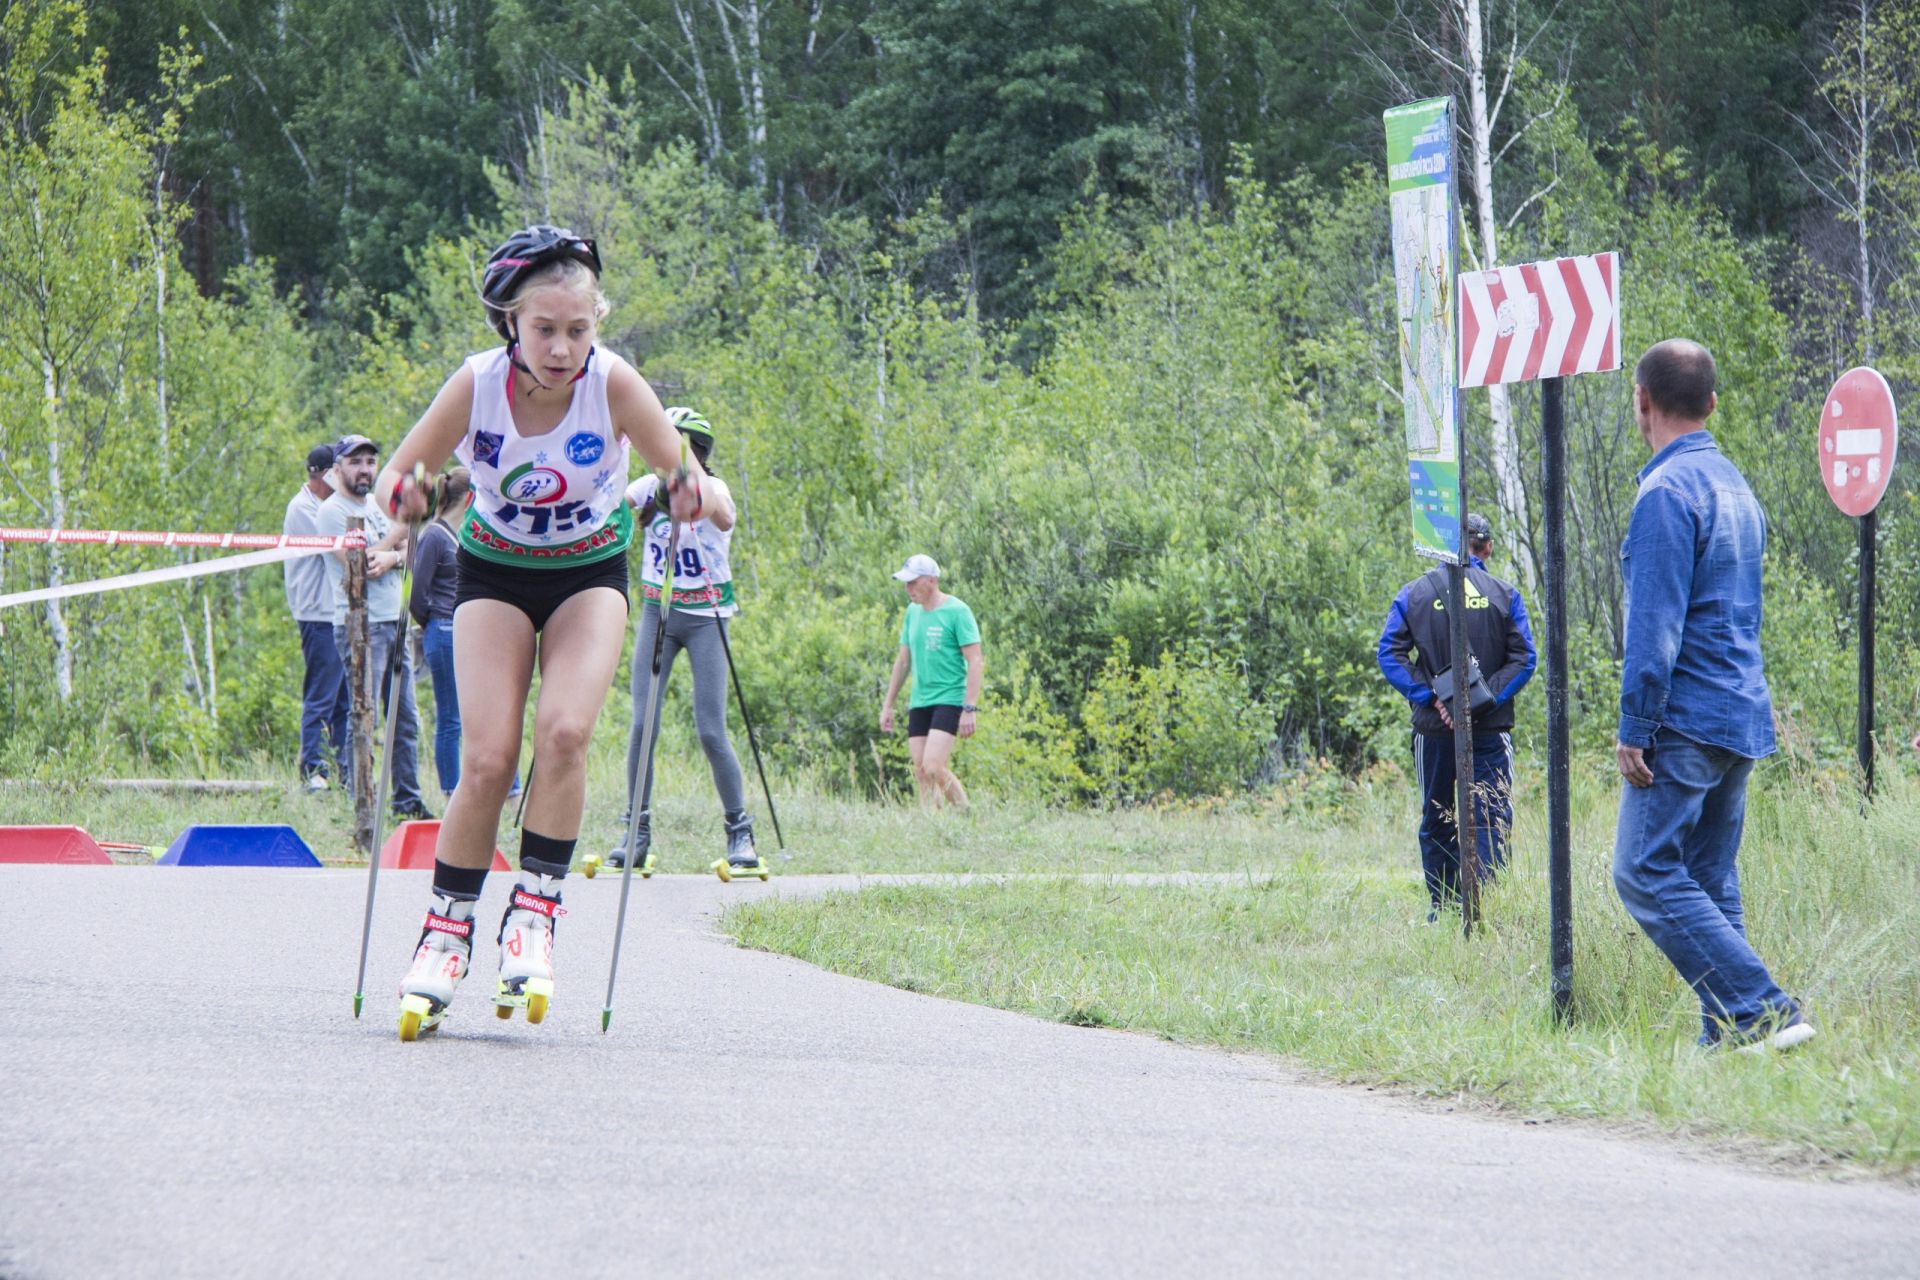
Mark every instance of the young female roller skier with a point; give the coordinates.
(542, 425)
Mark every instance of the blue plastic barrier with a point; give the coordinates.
(238, 846)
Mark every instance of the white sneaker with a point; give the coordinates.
(1794, 1034)
(316, 783)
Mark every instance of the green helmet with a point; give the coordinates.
(681, 418)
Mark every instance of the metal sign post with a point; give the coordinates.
(1859, 440)
(1863, 715)
(1546, 320)
(1421, 168)
(1553, 466)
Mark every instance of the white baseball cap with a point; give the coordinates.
(917, 567)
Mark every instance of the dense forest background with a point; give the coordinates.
(1089, 300)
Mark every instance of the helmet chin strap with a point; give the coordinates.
(513, 355)
(513, 358)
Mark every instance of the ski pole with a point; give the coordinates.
(648, 736)
(383, 784)
(740, 695)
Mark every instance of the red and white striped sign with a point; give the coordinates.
(1541, 320)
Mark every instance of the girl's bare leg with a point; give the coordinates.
(493, 667)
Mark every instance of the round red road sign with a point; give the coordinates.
(1859, 431)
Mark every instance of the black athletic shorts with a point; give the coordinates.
(534, 592)
(945, 717)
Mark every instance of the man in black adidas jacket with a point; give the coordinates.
(1415, 649)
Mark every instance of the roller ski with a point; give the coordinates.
(443, 957)
(526, 954)
(743, 860)
(617, 856)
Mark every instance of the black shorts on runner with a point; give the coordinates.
(945, 717)
(534, 592)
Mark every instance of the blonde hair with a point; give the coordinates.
(568, 273)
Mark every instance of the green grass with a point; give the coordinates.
(825, 832)
(1320, 953)
(1315, 947)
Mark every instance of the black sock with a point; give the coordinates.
(456, 889)
(458, 884)
(544, 855)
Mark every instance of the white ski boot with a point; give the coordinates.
(526, 952)
(443, 957)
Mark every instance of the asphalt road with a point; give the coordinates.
(188, 1094)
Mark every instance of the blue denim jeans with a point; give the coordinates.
(436, 641)
(1492, 809)
(405, 792)
(323, 701)
(1675, 864)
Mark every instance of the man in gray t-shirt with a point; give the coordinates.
(323, 693)
(356, 464)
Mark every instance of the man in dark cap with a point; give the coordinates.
(1416, 655)
(323, 696)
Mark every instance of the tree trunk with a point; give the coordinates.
(360, 678)
(1863, 189)
(56, 553)
(747, 78)
(1509, 486)
(163, 443)
(1197, 157)
(709, 112)
(213, 677)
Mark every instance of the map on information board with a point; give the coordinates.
(1420, 190)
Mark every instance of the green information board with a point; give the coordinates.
(1420, 190)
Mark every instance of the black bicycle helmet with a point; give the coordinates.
(521, 254)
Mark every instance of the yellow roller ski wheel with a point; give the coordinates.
(536, 1007)
(413, 1011)
(503, 1011)
(721, 869)
(589, 865)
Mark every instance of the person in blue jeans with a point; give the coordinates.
(431, 604)
(323, 694)
(1416, 648)
(1695, 714)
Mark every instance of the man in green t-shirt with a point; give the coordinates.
(940, 645)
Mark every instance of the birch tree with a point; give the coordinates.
(1867, 114)
(73, 215)
(1475, 49)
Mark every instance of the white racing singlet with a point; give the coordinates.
(702, 573)
(554, 500)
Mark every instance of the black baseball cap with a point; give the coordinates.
(1478, 530)
(319, 458)
(353, 444)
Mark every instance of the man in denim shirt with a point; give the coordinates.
(1694, 710)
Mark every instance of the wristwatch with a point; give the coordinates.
(967, 707)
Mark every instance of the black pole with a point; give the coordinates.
(1864, 743)
(1553, 438)
(1463, 739)
(741, 696)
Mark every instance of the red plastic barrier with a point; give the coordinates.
(411, 846)
(69, 846)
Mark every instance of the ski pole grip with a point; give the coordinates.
(416, 479)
